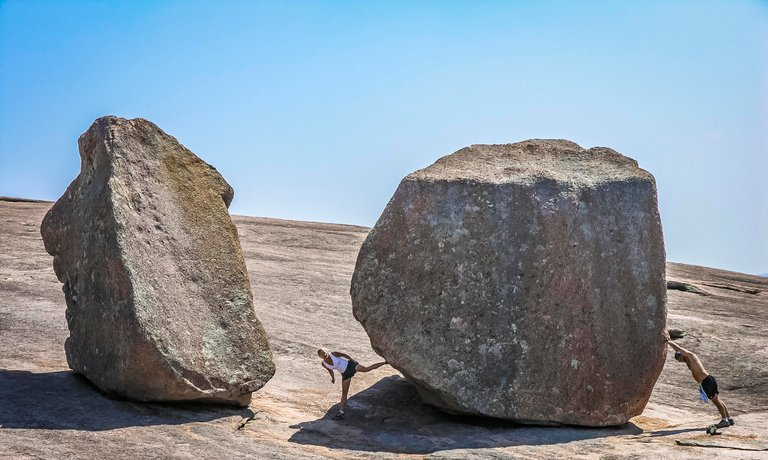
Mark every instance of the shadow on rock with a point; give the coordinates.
(390, 417)
(658, 433)
(66, 401)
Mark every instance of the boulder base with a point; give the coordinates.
(159, 305)
(521, 281)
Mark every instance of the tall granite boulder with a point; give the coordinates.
(521, 281)
(159, 305)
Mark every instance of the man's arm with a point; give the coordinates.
(677, 347)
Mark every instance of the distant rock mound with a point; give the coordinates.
(159, 305)
(521, 281)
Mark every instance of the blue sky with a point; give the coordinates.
(316, 110)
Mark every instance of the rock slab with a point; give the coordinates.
(521, 281)
(159, 305)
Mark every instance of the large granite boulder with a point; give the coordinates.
(521, 281)
(159, 305)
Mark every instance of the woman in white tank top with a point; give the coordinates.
(347, 367)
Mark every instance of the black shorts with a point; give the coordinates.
(709, 385)
(350, 372)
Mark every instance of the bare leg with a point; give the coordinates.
(720, 407)
(344, 393)
(361, 368)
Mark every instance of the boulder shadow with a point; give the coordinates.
(64, 400)
(390, 417)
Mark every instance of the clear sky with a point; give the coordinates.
(314, 110)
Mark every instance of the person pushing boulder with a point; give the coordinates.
(708, 390)
(347, 367)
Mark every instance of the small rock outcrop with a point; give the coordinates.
(159, 305)
(521, 281)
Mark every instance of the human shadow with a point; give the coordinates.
(64, 400)
(656, 434)
(389, 416)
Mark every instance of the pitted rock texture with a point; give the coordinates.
(159, 305)
(521, 281)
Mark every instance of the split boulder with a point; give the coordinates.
(159, 305)
(521, 281)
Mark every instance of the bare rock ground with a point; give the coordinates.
(300, 274)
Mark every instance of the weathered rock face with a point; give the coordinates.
(521, 281)
(159, 305)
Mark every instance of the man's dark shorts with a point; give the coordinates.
(350, 372)
(709, 384)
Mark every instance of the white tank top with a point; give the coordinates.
(340, 364)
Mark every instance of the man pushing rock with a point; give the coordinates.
(708, 385)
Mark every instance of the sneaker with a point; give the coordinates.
(339, 416)
(730, 421)
(723, 423)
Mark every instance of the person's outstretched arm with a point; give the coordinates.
(677, 347)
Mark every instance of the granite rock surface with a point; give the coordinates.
(521, 281)
(300, 275)
(159, 305)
